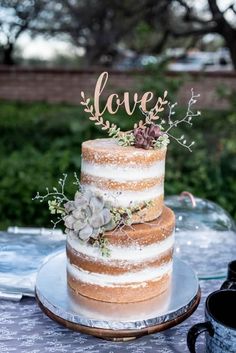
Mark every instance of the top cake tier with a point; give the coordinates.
(128, 177)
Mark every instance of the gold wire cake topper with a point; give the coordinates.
(146, 133)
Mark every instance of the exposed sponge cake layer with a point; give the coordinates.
(124, 312)
(149, 233)
(103, 151)
(113, 184)
(126, 293)
(116, 267)
(141, 259)
(125, 176)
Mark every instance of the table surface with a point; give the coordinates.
(25, 329)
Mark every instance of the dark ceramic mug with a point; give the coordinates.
(230, 283)
(220, 325)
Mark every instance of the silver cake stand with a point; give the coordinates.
(118, 322)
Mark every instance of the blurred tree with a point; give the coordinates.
(210, 20)
(99, 27)
(16, 17)
(182, 25)
(153, 34)
(102, 29)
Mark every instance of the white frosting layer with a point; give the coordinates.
(124, 173)
(127, 198)
(148, 274)
(131, 254)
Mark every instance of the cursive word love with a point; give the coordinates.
(113, 102)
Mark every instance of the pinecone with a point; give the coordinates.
(144, 138)
(87, 216)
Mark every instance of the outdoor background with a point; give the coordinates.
(51, 50)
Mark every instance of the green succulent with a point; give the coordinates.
(126, 139)
(162, 141)
(88, 216)
(55, 207)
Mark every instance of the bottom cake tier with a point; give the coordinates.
(138, 268)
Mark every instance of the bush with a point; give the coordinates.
(42, 141)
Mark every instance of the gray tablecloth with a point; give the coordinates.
(25, 329)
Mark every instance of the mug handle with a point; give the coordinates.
(228, 285)
(195, 331)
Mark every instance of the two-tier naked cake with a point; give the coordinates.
(140, 262)
(120, 236)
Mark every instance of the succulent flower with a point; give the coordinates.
(55, 207)
(145, 137)
(87, 216)
(142, 139)
(162, 141)
(126, 139)
(154, 131)
(52, 206)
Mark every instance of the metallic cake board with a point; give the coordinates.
(119, 322)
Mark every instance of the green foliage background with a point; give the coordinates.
(41, 141)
